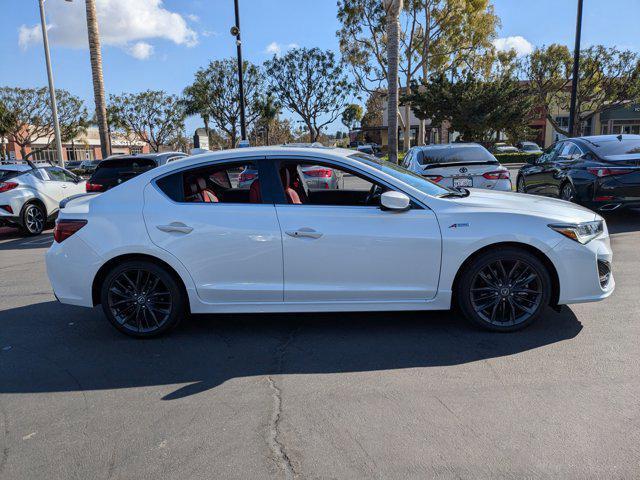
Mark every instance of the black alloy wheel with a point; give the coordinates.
(520, 187)
(142, 299)
(505, 290)
(567, 192)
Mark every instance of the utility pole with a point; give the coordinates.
(52, 90)
(576, 72)
(235, 30)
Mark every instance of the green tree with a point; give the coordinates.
(436, 35)
(268, 110)
(374, 108)
(608, 78)
(222, 95)
(312, 84)
(28, 116)
(196, 100)
(153, 116)
(351, 115)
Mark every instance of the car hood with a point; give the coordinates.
(554, 209)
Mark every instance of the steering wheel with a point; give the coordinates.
(374, 194)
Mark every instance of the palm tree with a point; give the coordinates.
(98, 80)
(269, 111)
(393, 8)
(196, 100)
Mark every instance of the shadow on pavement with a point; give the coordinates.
(20, 242)
(49, 347)
(622, 221)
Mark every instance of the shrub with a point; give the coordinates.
(520, 157)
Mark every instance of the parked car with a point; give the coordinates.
(529, 147)
(458, 165)
(183, 238)
(600, 172)
(72, 164)
(370, 148)
(87, 167)
(504, 148)
(30, 194)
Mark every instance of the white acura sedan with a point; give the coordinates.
(188, 237)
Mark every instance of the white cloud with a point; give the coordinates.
(193, 17)
(274, 48)
(140, 50)
(209, 33)
(521, 45)
(122, 23)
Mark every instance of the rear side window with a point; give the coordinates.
(472, 153)
(122, 169)
(618, 147)
(7, 174)
(217, 183)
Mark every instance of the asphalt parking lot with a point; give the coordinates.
(386, 395)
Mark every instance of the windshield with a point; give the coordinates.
(455, 154)
(402, 174)
(617, 147)
(529, 146)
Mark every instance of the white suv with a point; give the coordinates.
(30, 194)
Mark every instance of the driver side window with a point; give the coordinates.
(315, 184)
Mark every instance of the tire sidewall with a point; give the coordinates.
(177, 309)
(519, 183)
(573, 191)
(25, 210)
(463, 292)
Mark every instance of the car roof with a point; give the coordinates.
(448, 145)
(606, 138)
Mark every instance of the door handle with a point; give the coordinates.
(304, 233)
(175, 227)
(63, 186)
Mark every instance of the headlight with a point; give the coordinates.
(580, 232)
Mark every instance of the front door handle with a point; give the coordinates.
(304, 233)
(175, 227)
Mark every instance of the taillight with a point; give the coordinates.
(6, 186)
(497, 175)
(65, 228)
(605, 172)
(95, 187)
(434, 178)
(319, 172)
(245, 177)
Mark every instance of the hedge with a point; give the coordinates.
(520, 157)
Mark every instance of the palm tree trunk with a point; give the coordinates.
(393, 8)
(98, 80)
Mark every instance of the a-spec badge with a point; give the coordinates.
(458, 225)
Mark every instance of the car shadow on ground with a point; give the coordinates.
(49, 347)
(622, 221)
(21, 242)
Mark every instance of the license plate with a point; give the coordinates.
(463, 182)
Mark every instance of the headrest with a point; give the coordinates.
(285, 177)
(202, 184)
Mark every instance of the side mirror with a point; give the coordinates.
(395, 201)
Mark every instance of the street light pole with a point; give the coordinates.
(576, 72)
(52, 90)
(236, 31)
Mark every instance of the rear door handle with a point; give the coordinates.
(175, 227)
(304, 233)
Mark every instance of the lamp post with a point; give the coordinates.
(576, 72)
(52, 90)
(235, 31)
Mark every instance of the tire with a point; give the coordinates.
(142, 299)
(520, 186)
(33, 219)
(497, 298)
(567, 192)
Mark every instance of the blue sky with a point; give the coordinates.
(165, 48)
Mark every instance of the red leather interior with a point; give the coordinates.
(290, 193)
(255, 196)
(199, 192)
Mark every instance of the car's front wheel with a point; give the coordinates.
(504, 290)
(567, 192)
(34, 219)
(142, 299)
(520, 186)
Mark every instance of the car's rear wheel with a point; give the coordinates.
(142, 299)
(567, 192)
(504, 290)
(520, 186)
(34, 219)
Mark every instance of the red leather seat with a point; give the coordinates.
(255, 196)
(290, 193)
(198, 191)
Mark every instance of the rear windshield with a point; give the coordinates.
(617, 147)
(122, 169)
(7, 174)
(472, 153)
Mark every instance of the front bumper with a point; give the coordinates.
(577, 267)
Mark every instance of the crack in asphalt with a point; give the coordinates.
(275, 443)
